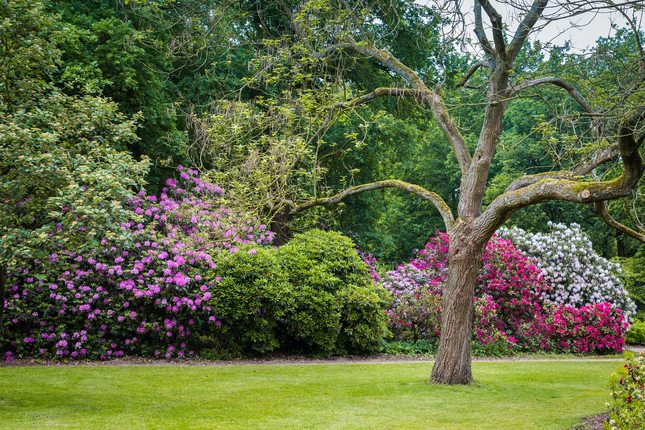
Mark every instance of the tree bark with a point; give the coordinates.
(452, 365)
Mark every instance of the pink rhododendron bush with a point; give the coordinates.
(145, 295)
(511, 310)
(191, 275)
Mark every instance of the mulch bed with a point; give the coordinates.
(594, 422)
(284, 360)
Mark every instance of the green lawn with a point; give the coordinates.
(506, 395)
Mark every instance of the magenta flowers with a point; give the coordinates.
(144, 296)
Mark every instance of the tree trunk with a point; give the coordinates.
(620, 245)
(280, 228)
(453, 363)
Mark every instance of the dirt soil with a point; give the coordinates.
(283, 360)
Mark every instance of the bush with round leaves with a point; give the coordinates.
(250, 296)
(332, 283)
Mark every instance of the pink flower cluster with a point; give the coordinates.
(147, 296)
(509, 303)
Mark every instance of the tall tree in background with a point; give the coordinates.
(330, 29)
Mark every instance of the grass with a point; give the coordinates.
(506, 395)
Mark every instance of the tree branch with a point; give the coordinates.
(479, 30)
(432, 197)
(498, 28)
(525, 27)
(603, 212)
(470, 72)
(568, 187)
(558, 83)
(429, 97)
(599, 157)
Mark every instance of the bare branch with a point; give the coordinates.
(525, 27)
(558, 83)
(380, 92)
(479, 30)
(603, 212)
(470, 72)
(432, 197)
(498, 28)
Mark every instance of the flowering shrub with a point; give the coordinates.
(578, 275)
(590, 328)
(416, 315)
(627, 408)
(509, 309)
(146, 296)
(194, 275)
(509, 284)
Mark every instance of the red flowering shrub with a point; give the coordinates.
(590, 328)
(509, 305)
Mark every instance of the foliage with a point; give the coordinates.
(627, 408)
(634, 277)
(578, 275)
(363, 324)
(337, 295)
(325, 260)
(636, 333)
(250, 298)
(258, 151)
(63, 163)
(29, 57)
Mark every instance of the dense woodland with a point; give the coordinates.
(114, 95)
(188, 77)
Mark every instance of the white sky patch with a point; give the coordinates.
(582, 30)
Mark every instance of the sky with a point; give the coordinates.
(584, 32)
(590, 25)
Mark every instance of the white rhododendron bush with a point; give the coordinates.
(577, 274)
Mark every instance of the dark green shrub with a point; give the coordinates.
(337, 308)
(250, 300)
(363, 319)
(636, 333)
(323, 260)
(313, 323)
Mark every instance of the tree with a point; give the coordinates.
(331, 29)
(65, 174)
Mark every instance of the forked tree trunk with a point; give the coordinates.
(453, 363)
